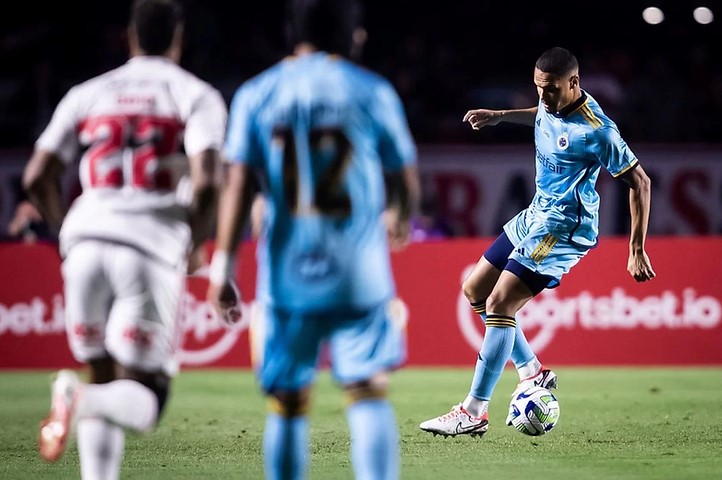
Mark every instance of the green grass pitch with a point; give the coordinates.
(616, 423)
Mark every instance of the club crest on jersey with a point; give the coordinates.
(563, 141)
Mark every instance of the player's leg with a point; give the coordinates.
(541, 260)
(471, 417)
(88, 297)
(507, 297)
(478, 286)
(140, 339)
(286, 347)
(364, 347)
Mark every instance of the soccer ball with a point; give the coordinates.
(534, 411)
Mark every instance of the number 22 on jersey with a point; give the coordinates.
(129, 150)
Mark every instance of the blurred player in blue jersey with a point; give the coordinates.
(574, 140)
(326, 138)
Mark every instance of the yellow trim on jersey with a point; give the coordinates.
(545, 246)
(578, 107)
(589, 116)
(629, 167)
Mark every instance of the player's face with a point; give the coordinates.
(554, 91)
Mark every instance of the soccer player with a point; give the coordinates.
(323, 134)
(148, 136)
(574, 139)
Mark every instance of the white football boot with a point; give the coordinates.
(457, 422)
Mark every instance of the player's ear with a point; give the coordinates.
(574, 81)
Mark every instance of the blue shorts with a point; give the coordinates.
(535, 255)
(359, 344)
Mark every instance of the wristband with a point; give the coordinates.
(221, 267)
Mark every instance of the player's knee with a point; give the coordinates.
(102, 370)
(500, 303)
(372, 389)
(289, 403)
(471, 291)
(158, 383)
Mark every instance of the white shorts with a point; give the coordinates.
(121, 302)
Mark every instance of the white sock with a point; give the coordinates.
(100, 447)
(530, 368)
(474, 406)
(126, 403)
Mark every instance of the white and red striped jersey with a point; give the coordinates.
(132, 129)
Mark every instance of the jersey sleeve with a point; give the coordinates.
(613, 152)
(206, 126)
(60, 135)
(396, 145)
(241, 144)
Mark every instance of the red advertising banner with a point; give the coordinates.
(598, 316)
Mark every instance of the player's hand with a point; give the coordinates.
(640, 267)
(398, 229)
(226, 301)
(482, 118)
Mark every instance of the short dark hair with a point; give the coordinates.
(155, 22)
(326, 24)
(557, 61)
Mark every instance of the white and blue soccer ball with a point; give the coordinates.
(533, 411)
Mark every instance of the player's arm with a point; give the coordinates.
(404, 194)
(41, 181)
(205, 191)
(482, 117)
(638, 264)
(233, 211)
(398, 154)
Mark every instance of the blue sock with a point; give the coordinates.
(522, 353)
(285, 447)
(495, 351)
(374, 440)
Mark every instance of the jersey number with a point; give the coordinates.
(330, 151)
(129, 150)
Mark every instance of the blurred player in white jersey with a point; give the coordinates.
(322, 133)
(148, 136)
(574, 141)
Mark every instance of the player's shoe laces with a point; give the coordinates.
(55, 428)
(457, 422)
(544, 378)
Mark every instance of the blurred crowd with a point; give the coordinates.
(662, 83)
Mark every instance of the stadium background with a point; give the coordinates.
(661, 83)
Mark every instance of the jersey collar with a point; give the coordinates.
(566, 111)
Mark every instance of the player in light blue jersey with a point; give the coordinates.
(325, 137)
(574, 140)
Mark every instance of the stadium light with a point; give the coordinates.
(703, 15)
(653, 15)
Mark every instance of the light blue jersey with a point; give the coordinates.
(321, 131)
(561, 223)
(571, 148)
